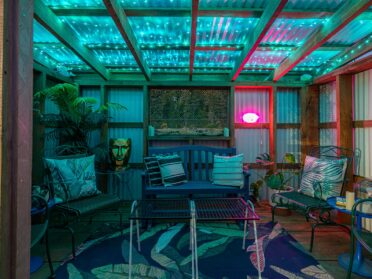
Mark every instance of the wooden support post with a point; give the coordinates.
(40, 80)
(231, 108)
(145, 119)
(272, 123)
(309, 118)
(344, 117)
(16, 120)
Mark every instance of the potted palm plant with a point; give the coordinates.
(76, 118)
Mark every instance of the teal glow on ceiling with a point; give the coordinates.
(232, 3)
(291, 31)
(352, 32)
(73, 3)
(156, 3)
(223, 30)
(167, 58)
(161, 30)
(41, 35)
(318, 58)
(267, 59)
(94, 29)
(116, 58)
(216, 58)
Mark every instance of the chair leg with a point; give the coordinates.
(313, 226)
(52, 274)
(72, 240)
(273, 213)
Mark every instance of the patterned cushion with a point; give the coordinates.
(228, 171)
(153, 171)
(171, 169)
(72, 178)
(326, 171)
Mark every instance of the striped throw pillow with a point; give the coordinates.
(228, 171)
(171, 169)
(153, 171)
(330, 172)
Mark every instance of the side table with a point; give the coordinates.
(361, 265)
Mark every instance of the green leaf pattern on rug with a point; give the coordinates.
(136, 256)
(316, 272)
(286, 273)
(164, 261)
(205, 247)
(139, 271)
(167, 237)
(154, 230)
(223, 231)
(73, 272)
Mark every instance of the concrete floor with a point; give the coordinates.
(329, 241)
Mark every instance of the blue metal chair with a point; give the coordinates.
(362, 208)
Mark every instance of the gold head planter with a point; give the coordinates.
(120, 153)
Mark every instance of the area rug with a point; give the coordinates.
(165, 254)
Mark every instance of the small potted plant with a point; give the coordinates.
(275, 180)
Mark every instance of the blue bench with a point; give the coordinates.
(197, 162)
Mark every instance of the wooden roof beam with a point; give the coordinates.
(182, 12)
(346, 13)
(122, 23)
(194, 17)
(268, 17)
(67, 36)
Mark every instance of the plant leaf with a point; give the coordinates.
(167, 237)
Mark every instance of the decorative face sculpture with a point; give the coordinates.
(120, 152)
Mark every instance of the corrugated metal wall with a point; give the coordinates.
(251, 142)
(288, 140)
(252, 100)
(327, 113)
(363, 111)
(93, 92)
(132, 99)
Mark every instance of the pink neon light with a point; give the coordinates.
(250, 117)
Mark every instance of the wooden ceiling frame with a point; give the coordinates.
(194, 18)
(346, 13)
(268, 17)
(122, 23)
(180, 12)
(45, 16)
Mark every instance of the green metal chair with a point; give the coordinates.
(315, 208)
(363, 238)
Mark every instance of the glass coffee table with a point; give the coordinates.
(193, 211)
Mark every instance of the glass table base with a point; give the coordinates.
(362, 267)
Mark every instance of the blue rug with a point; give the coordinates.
(165, 254)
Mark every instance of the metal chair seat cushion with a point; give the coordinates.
(294, 198)
(89, 204)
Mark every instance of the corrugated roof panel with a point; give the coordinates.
(94, 29)
(268, 59)
(233, 3)
(352, 32)
(41, 35)
(73, 3)
(215, 58)
(115, 58)
(159, 31)
(317, 58)
(156, 3)
(224, 30)
(291, 31)
(328, 5)
(60, 54)
(167, 58)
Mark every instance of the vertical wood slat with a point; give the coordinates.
(200, 165)
(231, 108)
(272, 123)
(186, 163)
(206, 154)
(192, 164)
(309, 118)
(16, 18)
(40, 80)
(344, 116)
(145, 119)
